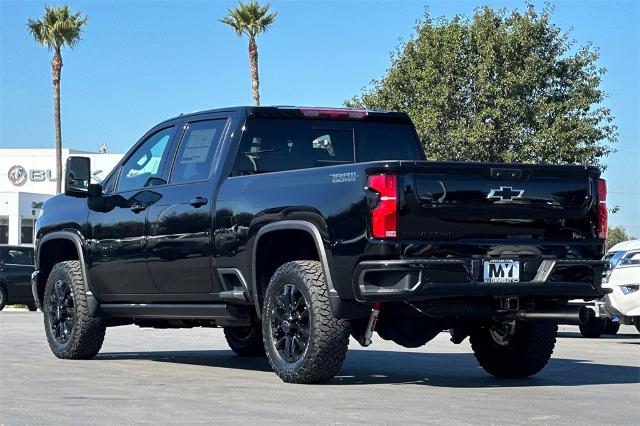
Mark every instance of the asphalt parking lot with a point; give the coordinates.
(189, 376)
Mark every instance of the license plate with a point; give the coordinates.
(502, 271)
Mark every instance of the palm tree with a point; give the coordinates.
(58, 27)
(251, 19)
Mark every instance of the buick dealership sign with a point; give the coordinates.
(18, 175)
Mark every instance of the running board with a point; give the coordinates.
(221, 313)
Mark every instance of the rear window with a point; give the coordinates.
(272, 145)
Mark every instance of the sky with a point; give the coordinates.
(141, 62)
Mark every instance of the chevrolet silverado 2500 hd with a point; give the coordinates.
(296, 228)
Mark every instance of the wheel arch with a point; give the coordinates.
(309, 246)
(57, 247)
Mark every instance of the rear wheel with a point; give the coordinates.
(514, 348)
(304, 342)
(245, 341)
(72, 331)
(594, 327)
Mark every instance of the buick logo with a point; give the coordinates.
(17, 175)
(505, 193)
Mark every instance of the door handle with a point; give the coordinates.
(137, 208)
(199, 201)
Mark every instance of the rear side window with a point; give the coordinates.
(17, 256)
(272, 145)
(194, 159)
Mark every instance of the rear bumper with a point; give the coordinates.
(423, 279)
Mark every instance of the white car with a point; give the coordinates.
(622, 305)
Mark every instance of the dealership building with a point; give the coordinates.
(27, 179)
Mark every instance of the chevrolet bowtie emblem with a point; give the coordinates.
(505, 193)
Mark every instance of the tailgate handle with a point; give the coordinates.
(506, 174)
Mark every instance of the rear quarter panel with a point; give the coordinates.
(331, 198)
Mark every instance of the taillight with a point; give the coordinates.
(384, 217)
(603, 216)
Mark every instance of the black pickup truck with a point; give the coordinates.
(296, 228)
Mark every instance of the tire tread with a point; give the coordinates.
(89, 330)
(526, 355)
(328, 347)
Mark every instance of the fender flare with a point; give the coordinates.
(79, 245)
(300, 225)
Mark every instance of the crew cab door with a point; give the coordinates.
(118, 219)
(180, 224)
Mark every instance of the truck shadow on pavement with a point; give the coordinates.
(452, 370)
(620, 336)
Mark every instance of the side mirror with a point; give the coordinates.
(77, 176)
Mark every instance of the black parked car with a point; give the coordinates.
(16, 267)
(294, 228)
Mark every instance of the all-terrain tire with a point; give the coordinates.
(245, 341)
(526, 352)
(328, 337)
(611, 327)
(594, 327)
(87, 333)
(3, 297)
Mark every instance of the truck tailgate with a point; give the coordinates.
(460, 201)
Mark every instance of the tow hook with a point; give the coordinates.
(371, 326)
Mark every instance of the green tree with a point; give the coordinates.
(251, 19)
(617, 235)
(500, 86)
(58, 27)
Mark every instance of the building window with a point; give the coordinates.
(26, 231)
(4, 230)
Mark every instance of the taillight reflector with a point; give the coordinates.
(384, 217)
(603, 215)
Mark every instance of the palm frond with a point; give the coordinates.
(58, 27)
(250, 18)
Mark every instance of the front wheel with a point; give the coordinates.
(304, 342)
(514, 349)
(72, 331)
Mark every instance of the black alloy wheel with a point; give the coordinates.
(290, 323)
(61, 311)
(304, 342)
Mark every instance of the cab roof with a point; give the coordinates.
(320, 113)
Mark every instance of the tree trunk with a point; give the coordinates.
(56, 69)
(255, 79)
